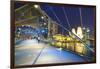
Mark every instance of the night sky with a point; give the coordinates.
(73, 14)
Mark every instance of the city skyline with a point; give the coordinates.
(72, 13)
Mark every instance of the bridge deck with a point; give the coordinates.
(30, 52)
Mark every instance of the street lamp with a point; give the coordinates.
(36, 6)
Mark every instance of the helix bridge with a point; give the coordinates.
(33, 21)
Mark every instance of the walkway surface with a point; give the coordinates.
(30, 52)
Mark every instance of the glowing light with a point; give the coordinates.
(88, 30)
(79, 47)
(64, 44)
(58, 44)
(61, 38)
(43, 31)
(44, 23)
(68, 38)
(57, 37)
(19, 28)
(42, 17)
(36, 6)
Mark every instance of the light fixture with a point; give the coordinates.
(36, 6)
(44, 23)
(42, 17)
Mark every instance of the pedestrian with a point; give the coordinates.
(38, 39)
